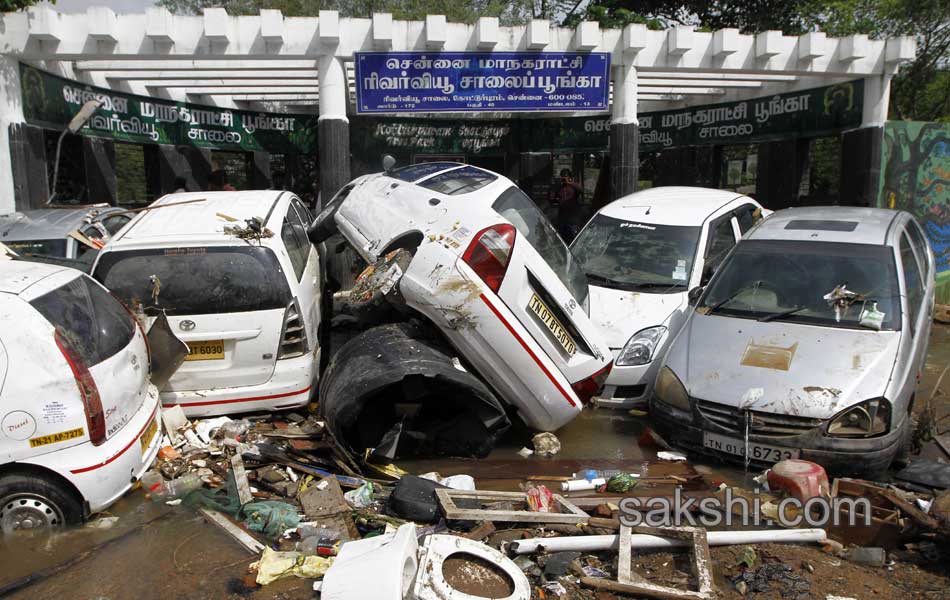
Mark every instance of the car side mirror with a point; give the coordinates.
(694, 294)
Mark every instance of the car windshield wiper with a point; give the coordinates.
(594, 277)
(781, 313)
(755, 285)
(655, 284)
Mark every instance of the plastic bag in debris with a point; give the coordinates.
(273, 565)
(224, 499)
(270, 517)
(361, 497)
(540, 498)
(456, 482)
(622, 483)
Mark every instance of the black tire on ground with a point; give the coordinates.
(35, 499)
(906, 448)
(388, 372)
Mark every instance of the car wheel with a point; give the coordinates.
(906, 447)
(32, 501)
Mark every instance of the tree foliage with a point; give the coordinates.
(12, 5)
(456, 11)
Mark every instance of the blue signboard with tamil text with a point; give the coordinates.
(407, 82)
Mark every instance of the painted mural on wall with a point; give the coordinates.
(51, 101)
(915, 176)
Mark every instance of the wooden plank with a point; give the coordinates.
(240, 536)
(240, 479)
(447, 499)
(647, 590)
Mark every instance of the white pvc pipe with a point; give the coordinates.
(598, 543)
(580, 485)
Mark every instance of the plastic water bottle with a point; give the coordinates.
(592, 474)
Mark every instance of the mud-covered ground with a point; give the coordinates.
(156, 551)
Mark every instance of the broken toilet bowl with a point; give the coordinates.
(431, 583)
(393, 567)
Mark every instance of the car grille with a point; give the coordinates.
(732, 419)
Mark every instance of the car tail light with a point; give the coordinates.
(92, 403)
(588, 388)
(293, 336)
(489, 253)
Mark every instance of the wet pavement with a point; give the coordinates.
(156, 551)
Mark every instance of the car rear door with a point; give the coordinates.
(546, 290)
(226, 302)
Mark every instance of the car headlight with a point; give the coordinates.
(639, 348)
(670, 390)
(867, 419)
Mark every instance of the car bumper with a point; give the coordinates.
(837, 456)
(290, 386)
(627, 387)
(102, 474)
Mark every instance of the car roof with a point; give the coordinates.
(199, 217)
(17, 275)
(48, 223)
(849, 224)
(673, 205)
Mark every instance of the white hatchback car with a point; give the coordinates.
(642, 254)
(78, 415)
(247, 303)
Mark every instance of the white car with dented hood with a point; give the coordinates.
(642, 254)
(807, 343)
(506, 297)
(79, 418)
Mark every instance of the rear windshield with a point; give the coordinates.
(459, 181)
(417, 172)
(530, 222)
(196, 281)
(90, 320)
(39, 247)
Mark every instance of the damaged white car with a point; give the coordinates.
(80, 419)
(808, 342)
(642, 254)
(488, 309)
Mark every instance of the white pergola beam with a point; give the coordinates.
(158, 36)
(102, 24)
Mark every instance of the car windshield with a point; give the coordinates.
(38, 247)
(772, 280)
(196, 281)
(530, 222)
(459, 181)
(628, 255)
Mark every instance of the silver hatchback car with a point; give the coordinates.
(807, 343)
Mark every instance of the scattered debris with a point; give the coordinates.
(546, 444)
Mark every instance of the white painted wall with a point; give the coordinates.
(11, 111)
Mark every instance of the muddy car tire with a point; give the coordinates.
(906, 448)
(35, 501)
(392, 370)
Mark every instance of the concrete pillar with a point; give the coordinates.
(30, 176)
(11, 112)
(860, 171)
(624, 133)
(99, 163)
(333, 131)
(260, 171)
(861, 148)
